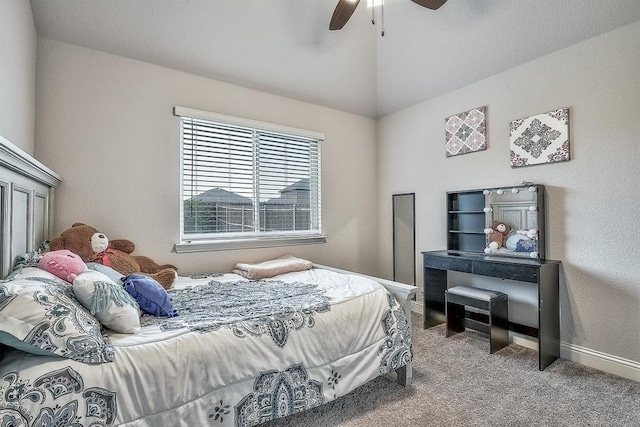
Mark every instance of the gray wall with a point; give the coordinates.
(17, 73)
(593, 204)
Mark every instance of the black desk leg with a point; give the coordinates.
(435, 283)
(548, 316)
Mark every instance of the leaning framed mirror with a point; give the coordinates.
(404, 247)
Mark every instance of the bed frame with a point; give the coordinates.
(27, 189)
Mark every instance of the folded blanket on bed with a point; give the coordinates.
(271, 268)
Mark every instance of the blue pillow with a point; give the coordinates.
(525, 245)
(149, 294)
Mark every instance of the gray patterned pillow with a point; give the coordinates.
(39, 314)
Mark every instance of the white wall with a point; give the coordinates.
(17, 73)
(105, 124)
(594, 207)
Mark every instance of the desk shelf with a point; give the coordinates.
(470, 212)
(466, 221)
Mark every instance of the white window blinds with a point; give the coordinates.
(246, 179)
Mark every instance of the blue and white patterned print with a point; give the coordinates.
(65, 327)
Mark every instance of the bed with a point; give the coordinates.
(240, 353)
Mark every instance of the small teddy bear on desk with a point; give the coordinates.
(497, 235)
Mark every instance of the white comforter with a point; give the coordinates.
(224, 371)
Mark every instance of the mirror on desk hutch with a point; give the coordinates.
(503, 221)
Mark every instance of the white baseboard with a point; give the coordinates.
(594, 359)
(416, 307)
(523, 340)
(604, 362)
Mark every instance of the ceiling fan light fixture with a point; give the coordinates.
(345, 8)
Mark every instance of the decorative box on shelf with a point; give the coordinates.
(505, 221)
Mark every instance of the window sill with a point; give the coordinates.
(225, 245)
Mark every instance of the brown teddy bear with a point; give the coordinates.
(93, 246)
(498, 236)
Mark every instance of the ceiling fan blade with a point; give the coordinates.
(342, 13)
(430, 4)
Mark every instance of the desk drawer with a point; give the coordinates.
(521, 272)
(447, 263)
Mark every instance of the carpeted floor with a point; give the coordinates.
(456, 382)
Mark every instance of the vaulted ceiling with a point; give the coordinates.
(285, 46)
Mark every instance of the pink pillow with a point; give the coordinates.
(63, 264)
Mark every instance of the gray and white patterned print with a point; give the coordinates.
(99, 409)
(271, 308)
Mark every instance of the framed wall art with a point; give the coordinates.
(466, 132)
(542, 138)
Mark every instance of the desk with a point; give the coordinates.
(543, 273)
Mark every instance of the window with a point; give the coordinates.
(247, 183)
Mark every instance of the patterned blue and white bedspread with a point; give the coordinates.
(240, 353)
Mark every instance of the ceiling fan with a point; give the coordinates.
(345, 8)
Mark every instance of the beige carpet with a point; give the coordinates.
(458, 383)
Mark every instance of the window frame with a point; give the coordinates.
(227, 241)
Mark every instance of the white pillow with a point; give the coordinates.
(272, 268)
(39, 314)
(107, 301)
